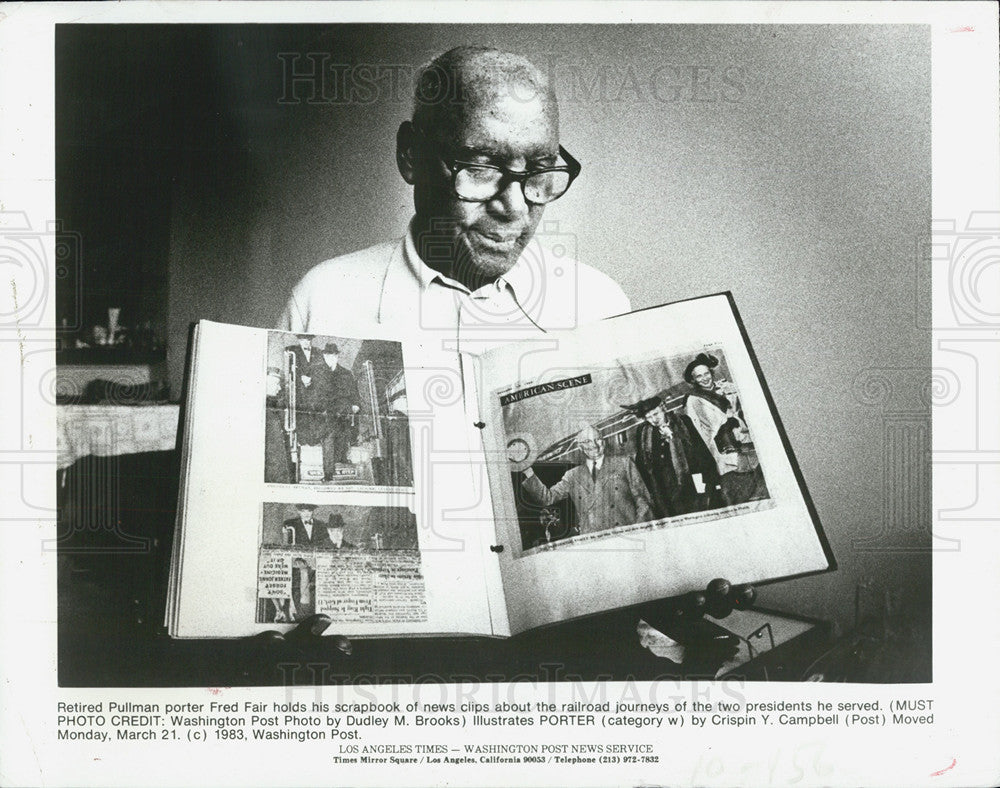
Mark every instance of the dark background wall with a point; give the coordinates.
(790, 165)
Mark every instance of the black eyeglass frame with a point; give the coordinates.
(572, 168)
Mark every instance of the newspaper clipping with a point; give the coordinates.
(336, 412)
(659, 441)
(356, 564)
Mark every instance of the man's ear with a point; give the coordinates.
(406, 138)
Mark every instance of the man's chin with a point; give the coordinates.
(491, 260)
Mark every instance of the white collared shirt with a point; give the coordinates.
(389, 285)
(592, 463)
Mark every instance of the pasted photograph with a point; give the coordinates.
(338, 527)
(352, 563)
(638, 442)
(336, 412)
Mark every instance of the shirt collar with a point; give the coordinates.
(519, 278)
(423, 273)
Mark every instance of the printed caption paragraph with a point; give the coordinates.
(356, 731)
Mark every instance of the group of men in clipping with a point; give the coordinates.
(690, 461)
(308, 530)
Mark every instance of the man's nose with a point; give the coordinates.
(509, 202)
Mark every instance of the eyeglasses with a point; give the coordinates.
(478, 182)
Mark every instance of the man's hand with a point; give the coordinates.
(308, 635)
(303, 644)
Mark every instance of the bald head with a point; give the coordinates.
(479, 107)
(468, 80)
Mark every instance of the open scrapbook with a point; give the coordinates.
(403, 492)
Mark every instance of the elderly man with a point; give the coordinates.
(606, 491)
(482, 154)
